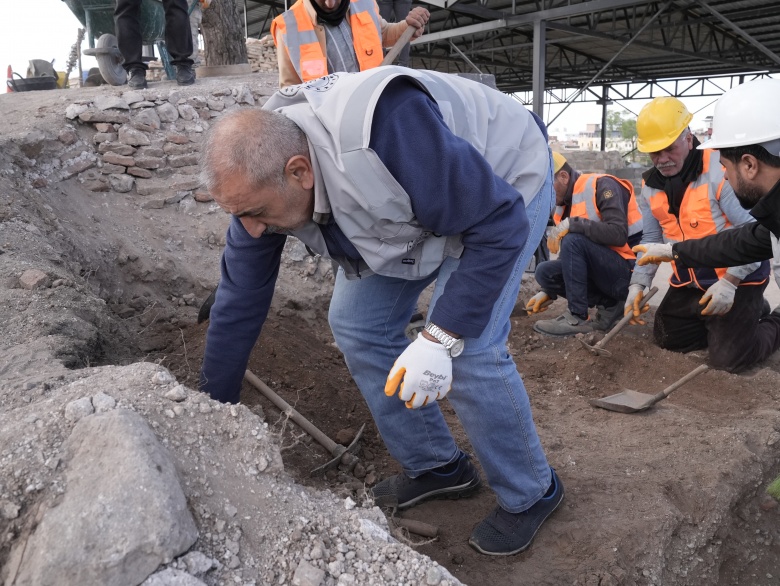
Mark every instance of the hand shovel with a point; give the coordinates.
(598, 348)
(629, 401)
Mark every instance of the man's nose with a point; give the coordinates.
(253, 226)
(330, 4)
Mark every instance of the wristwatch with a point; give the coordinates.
(454, 346)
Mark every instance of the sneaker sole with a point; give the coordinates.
(452, 493)
(473, 544)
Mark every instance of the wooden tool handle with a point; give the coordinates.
(399, 45)
(677, 384)
(625, 319)
(297, 418)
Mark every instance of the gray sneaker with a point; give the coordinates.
(606, 317)
(564, 325)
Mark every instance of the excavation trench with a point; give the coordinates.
(671, 496)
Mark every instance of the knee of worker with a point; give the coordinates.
(729, 357)
(573, 244)
(548, 274)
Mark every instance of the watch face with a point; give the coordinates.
(457, 348)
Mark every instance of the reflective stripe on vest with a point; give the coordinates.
(303, 47)
(700, 216)
(583, 205)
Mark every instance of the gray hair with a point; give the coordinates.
(251, 143)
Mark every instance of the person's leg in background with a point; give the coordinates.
(128, 36)
(678, 324)
(743, 337)
(178, 39)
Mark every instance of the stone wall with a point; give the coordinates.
(147, 142)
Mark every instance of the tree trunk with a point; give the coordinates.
(223, 33)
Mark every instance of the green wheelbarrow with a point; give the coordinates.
(97, 16)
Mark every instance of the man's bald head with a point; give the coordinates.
(250, 143)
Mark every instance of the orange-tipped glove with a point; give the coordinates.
(555, 236)
(634, 304)
(719, 298)
(204, 4)
(423, 372)
(653, 253)
(538, 303)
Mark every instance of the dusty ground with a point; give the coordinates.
(671, 496)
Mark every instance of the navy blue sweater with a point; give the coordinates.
(453, 190)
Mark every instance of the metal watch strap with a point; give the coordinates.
(446, 340)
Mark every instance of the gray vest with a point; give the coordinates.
(351, 183)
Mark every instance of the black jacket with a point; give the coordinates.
(739, 246)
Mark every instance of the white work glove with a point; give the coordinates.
(720, 297)
(634, 304)
(654, 253)
(556, 234)
(538, 303)
(423, 371)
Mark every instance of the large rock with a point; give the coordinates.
(110, 528)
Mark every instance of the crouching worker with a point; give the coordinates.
(597, 221)
(367, 170)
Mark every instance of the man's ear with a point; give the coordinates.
(749, 165)
(299, 169)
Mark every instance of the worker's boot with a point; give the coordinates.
(606, 317)
(185, 74)
(137, 78)
(566, 324)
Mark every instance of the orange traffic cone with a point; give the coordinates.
(9, 81)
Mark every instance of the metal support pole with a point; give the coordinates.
(604, 102)
(539, 58)
(246, 27)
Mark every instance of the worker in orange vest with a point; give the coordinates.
(597, 220)
(317, 37)
(685, 196)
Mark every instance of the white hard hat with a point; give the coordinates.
(747, 114)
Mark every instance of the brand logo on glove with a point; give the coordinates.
(434, 376)
(430, 386)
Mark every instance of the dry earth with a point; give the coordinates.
(671, 496)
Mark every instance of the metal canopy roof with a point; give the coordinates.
(626, 44)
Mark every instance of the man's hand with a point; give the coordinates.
(538, 303)
(720, 297)
(423, 371)
(417, 18)
(204, 4)
(556, 234)
(653, 253)
(634, 304)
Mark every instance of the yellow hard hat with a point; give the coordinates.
(558, 161)
(660, 123)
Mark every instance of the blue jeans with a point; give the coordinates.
(368, 316)
(586, 274)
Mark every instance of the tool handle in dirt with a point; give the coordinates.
(297, 418)
(625, 319)
(399, 45)
(677, 384)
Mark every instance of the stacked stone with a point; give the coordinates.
(261, 54)
(148, 141)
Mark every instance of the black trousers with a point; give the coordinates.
(736, 340)
(178, 38)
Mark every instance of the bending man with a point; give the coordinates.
(322, 163)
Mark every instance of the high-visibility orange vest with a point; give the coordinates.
(297, 30)
(583, 205)
(699, 216)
